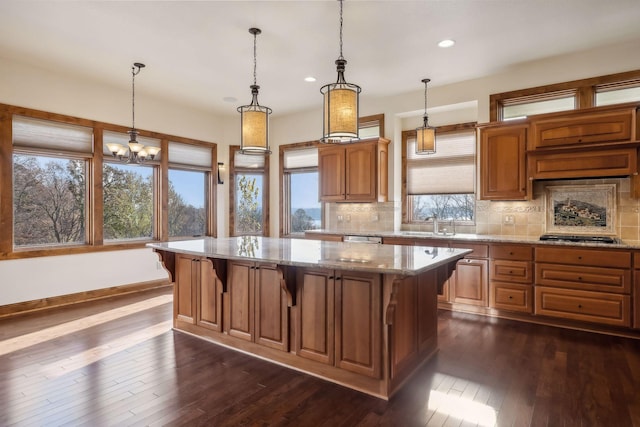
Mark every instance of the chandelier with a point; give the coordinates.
(135, 152)
(425, 135)
(254, 117)
(341, 103)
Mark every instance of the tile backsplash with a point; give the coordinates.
(520, 218)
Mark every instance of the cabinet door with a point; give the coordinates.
(470, 282)
(315, 299)
(239, 316)
(361, 167)
(184, 293)
(271, 316)
(358, 319)
(502, 163)
(585, 164)
(331, 164)
(209, 298)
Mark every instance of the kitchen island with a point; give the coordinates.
(364, 316)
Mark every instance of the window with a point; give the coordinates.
(443, 183)
(517, 108)
(619, 93)
(49, 182)
(301, 209)
(250, 177)
(128, 193)
(189, 172)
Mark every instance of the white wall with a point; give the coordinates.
(32, 87)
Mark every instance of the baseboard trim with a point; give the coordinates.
(69, 299)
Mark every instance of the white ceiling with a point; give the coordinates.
(199, 52)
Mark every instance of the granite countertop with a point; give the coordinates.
(488, 238)
(385, 259)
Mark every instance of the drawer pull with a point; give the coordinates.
(510, 297)
(510, 253)
(579, 305)
(580, 278)
(579, 257)
(510, 271)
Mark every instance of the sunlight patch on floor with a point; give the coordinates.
(24, 341)
(463, 409)
(92, 355)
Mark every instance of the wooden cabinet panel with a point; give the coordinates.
(315, 299)
(570, 129)
(358, 319)
(582, 277)
(479, 250)
(511, 271)
(511, 296)
(209, 313)
(584, 164)
(404, 337)
(184, 296)
(587, 257)
(398, 241)
(271, 311)
(360, 176)
(636, 300)
(502, 162)
(331, 166)
(356, 172)
(239, 316)
(323, 236)
(599, 307)
(511, 252)
(469, 282)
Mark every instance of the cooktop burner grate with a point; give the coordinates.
(578, 238)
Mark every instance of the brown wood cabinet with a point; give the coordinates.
(511, 277)
(323, 236)
(197, 293)
(339, 319)
(355, 172)
(578, 128)
(590, 285)
(502, 162)
(184, 294)
(257, 304)
(584, 164)
(468, 284)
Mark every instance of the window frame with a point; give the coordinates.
(285, 188)
(585, 92)
(94, 202)
(233, 171)
(406, 198)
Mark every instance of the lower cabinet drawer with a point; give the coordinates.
(585, 278)
(512, 297)
(598, 307)
(511, 271)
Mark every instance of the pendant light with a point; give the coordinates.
(425, 135)
(135, 153)
(341, 103)
(254, 117)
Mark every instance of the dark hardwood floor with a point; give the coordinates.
(117, 362)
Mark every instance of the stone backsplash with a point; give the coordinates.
(523, 218)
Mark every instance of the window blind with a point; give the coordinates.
(248, 161)
(36, 133)
(109, 137)
(189, 155)
(451, 170)
(301, 158)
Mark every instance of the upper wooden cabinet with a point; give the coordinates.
(502, 162)
(574, 128)
(354, 173)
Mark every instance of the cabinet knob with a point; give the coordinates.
(579, 305)
(510, 271)
(579, 257)
(510, 297)
(510, 253)
(579, 277)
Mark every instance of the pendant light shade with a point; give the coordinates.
(425, 135)
(254, 117)
(341, 105)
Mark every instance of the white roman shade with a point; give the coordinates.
(451, 170)
(189, 155)
(49, 135)
(248, 161)
(110, 137)
(301, 158)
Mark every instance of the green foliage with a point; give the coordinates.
(128, 204)
(184, 219)
(248, 215)
(300, 221)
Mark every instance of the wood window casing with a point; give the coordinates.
(94, 202)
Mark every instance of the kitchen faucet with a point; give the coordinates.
(434, 217)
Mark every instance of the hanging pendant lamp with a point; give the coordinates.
(134, 152)
(425, 135)
(341, 104)
(254, 117)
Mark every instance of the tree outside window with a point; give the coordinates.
(248, 204)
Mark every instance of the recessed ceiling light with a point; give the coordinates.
(310, 79)
(230, 99)
(446, 43)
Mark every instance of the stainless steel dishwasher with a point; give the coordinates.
(371, 240)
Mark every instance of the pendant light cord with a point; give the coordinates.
(255, 62)
(425, 117)
(133, 96)
(341, 57)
